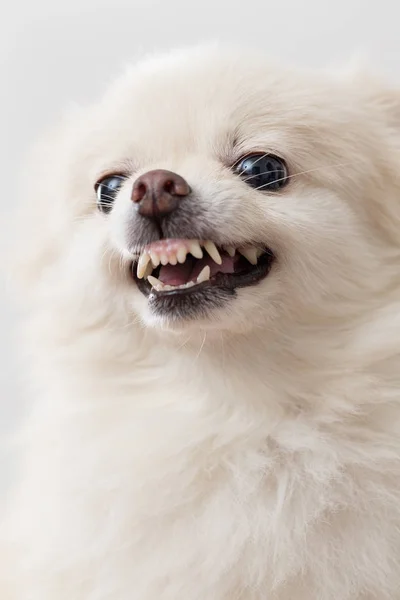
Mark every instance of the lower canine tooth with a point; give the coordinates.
(250, 254)
(213, 252)
(142, 265)
(155, 283)
(204, 275)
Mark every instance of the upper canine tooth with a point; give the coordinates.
(148, 271)
(155, 259)
(181, 255)
(259, 252)
(230, 250)
(144, 260)
(155, 283)
(195, 249)
(250, 254)
(204, 275)
(213, 252)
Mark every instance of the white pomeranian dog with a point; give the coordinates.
(210, 264)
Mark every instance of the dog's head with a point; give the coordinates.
(210, 189)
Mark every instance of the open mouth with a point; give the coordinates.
(172, 267)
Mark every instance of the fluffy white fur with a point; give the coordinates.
(255, 454)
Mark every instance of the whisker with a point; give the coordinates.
(201, 347)
(131, 323)
(110, 258)
(82, 218)
(108, 197)
(184, 343)
(105, 252)
(122, 263)
(222, 352)
(259, 175)
(300, 173)
(255, 162)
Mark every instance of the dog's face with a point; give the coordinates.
(210, 190)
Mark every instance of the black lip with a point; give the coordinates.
(222, 282)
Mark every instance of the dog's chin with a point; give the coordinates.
(198, 301)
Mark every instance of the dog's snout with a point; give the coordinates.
(158, 193)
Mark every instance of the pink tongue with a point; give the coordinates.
(189, 271)
(176, 274)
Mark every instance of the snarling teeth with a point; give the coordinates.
(185, 263)
(250, 254)
(204, 275)
(160, 286)
(172, 252)
(143, 262)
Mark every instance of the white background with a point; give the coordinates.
(55, 52)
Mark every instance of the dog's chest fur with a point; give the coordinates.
(191, 479)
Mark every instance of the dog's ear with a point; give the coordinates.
(388, 100)
(377, 92)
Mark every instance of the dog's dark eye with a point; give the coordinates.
(263, 171)
(106, 190)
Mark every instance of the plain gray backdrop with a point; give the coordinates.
(56, 52)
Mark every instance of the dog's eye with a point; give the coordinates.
(106, 190)
(263, 171)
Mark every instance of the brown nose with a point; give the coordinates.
(158, 193)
